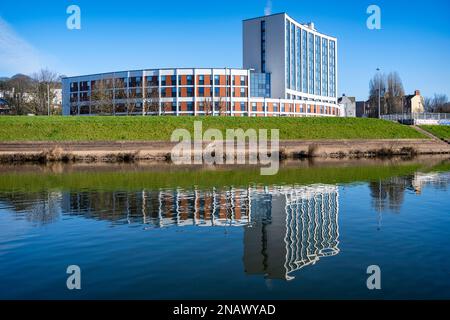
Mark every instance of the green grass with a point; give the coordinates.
(442, 132)
(161, 128)
(128, 180)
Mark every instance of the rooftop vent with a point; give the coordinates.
(311, 26)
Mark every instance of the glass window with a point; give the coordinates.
(298, 58)
(243, 81)
(74, 87)
(134, 82)
(288, 54)
(201, 80)
(174, 92)
(242, 105)
(325, 67)
(152, 81)
(242, 92)
(201, 92)
(173, 80)
(190, 92)
(310, 63)
(174, 106)
(292, 56)
(190, 106)
(332, 74)
(318, 67)
(304, 62)
(217, 91)
(164, 81)
(254, 107)
(217, 80)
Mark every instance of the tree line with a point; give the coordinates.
(390, 91)
(31, 94)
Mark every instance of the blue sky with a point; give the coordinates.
(120, 35)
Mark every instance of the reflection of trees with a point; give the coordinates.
(40, 208)
(389, 194)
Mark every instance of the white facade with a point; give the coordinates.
(302, 62)
(290, 69)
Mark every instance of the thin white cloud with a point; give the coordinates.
(16, 54)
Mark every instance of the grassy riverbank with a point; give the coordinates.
(161, 128)
(442, 132)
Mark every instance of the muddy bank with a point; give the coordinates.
(159, 151)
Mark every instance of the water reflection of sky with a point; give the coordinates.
(300, 235)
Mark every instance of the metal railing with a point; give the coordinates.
(416, 116)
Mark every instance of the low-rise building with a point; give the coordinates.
(4, 107)
(414, 103)
(348, 106)
(362, 109)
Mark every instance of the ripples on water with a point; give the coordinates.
(282, 229)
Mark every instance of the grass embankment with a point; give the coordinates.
(161, 128)
(442, 132)
(203, 179)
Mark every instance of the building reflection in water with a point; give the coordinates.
(294, 228)
(285, 228)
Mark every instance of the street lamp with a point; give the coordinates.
(379, 93)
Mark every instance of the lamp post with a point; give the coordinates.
(48, 98)
(379, 93)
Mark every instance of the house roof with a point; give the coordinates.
(352, 99)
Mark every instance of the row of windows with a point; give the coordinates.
(136, 82)
(216, 107)
(165, 93)
(310, 62)
(263, 46)
(283, 108)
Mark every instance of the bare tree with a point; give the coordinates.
(439, 103)
(154, 101)
(208, 106)
(43, 91)
(428, 104)
(377, 85)
(17, 89)
(394, 94)
(222, 106)
(102, 99)
(390, 89)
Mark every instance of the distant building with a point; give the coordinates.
(362, 109)
(414, 103)
(348, 106)
(4, 107)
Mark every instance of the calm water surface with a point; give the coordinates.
(310, 232)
